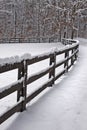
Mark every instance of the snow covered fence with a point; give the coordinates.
(68, 41)
(22, 64)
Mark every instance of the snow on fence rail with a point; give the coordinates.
(68, 41)
(23, 80)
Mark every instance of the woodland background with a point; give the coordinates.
(43, 19)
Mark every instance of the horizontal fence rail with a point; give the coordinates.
(20, 86)
(30, 40)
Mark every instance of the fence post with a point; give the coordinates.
(53, 62)
(76, 55)
(66, 63)
(72, 59)
(24, 86)
(22, 73)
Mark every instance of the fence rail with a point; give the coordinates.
(30, 40)
(23, 80)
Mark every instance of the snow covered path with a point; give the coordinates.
(63, 107)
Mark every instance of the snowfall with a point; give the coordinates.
(60, 107)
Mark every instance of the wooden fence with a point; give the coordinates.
(23, 80)
(30, 40)
(68, 41)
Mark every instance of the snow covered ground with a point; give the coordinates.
(8, 50)
(63, 107)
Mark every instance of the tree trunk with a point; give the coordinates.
(72, 34)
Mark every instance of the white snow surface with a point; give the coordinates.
(10, 50)
(62, 107)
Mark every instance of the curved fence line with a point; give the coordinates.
(70, 55)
